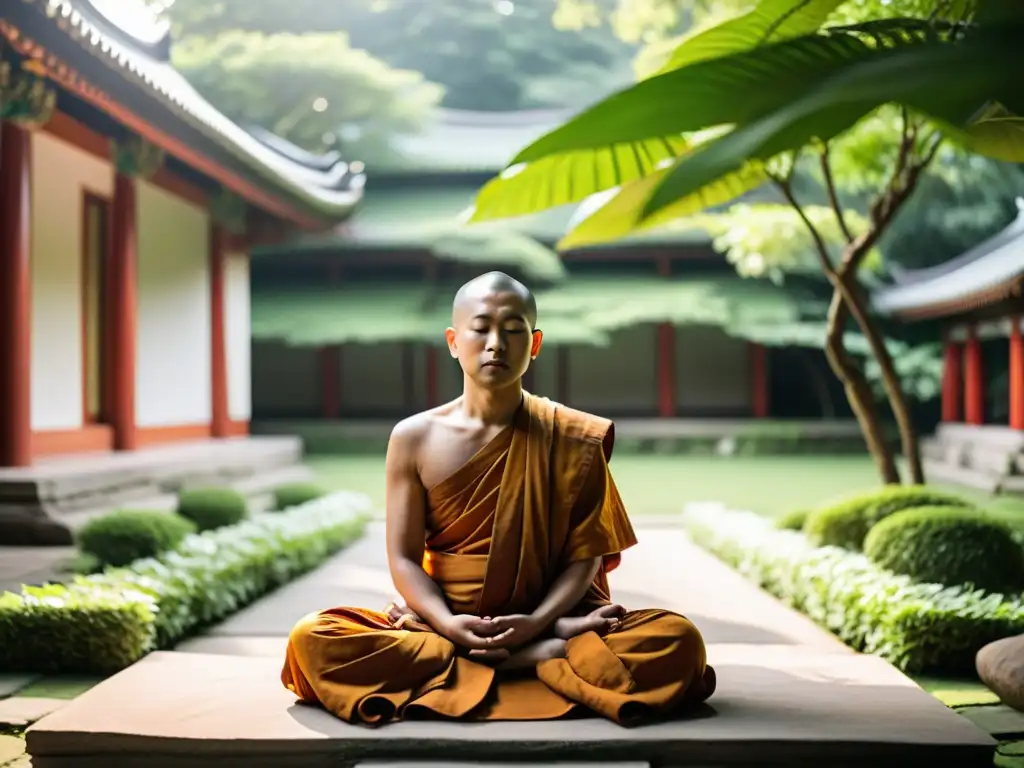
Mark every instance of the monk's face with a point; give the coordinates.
(492, 339)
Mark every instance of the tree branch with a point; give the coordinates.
(833, 197)
(819, 242)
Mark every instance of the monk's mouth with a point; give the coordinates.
(495, 364)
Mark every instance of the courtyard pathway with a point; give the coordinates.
(789, 693)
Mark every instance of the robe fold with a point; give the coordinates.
(500, 530)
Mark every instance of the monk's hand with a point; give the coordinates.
(512, 631)
(468, 631)
(491, 656)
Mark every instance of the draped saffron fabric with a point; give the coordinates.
(501, 529)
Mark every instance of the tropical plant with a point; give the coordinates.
(755, 99)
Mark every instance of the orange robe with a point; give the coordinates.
(500, 530)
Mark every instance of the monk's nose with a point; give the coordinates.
(495, 342)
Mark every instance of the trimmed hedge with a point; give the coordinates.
(211, 508)
(950, 546)
(129, 534)
(846, 522)
(916, 627)
(102, 623)
(794, 520)
(292, 494)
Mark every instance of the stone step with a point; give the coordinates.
(43, 504)
(775, 705)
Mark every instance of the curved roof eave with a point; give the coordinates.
(320, 191)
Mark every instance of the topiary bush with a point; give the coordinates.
(919, 628)
(211, 508)
(846, 522)
(794, 520)
(128, 534)
(293, 494)
(945, 545)
(102, 623)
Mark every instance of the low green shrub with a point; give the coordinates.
(293, 494)
(846, 522)
(794, 520)
(102, 623)
(945, 545)
(916, 627)
(211, 508)
(129, 534)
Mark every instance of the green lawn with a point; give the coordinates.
(659, 484)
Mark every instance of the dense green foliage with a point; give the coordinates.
(944, 545)
(847, 521)
(381, 66)
(294, 494)
(128, 534)
(211, 508)
(102, 623)
(916, 627)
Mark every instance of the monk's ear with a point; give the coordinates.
(538, 340)
(449, 336)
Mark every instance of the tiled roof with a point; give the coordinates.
(983, 274)
(127, 38)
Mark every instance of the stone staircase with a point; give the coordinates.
(44, 504)
(990, 458)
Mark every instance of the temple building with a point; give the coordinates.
(974, 303)
(129, 207)
(348, 325)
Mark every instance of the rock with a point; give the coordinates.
(1000, 666)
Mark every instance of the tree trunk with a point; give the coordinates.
(890, 379)
(858, 391)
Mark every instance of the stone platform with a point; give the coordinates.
(776, 705)
(44, 503)
(789, 693)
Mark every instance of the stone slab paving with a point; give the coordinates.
(665, 570)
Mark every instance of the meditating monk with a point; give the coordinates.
(503, 522)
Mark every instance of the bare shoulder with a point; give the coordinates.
(410, 434)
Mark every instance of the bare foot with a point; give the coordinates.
(533, 654)
(601, 620)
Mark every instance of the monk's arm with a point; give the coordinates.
(406, 523)
(566, 592)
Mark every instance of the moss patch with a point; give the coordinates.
(59, 687)
(956, 692)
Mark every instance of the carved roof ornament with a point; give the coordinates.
(26, 98)
(229, 211)
(137, 157)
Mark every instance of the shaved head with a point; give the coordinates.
(491, 284)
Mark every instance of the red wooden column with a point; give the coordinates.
(1016, 375)
(330, 381)
(974, 380)
(952, 381)
(220, 423)
(760, 399)
(15, 297)
(433, 398)
(666, 364)
(562, 387)
(666, 370)
(124, 256)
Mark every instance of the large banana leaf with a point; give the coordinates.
(618, 217)
(630, 134)
(571, 177)
(996, 133)
(934, 78)
(769, 22)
